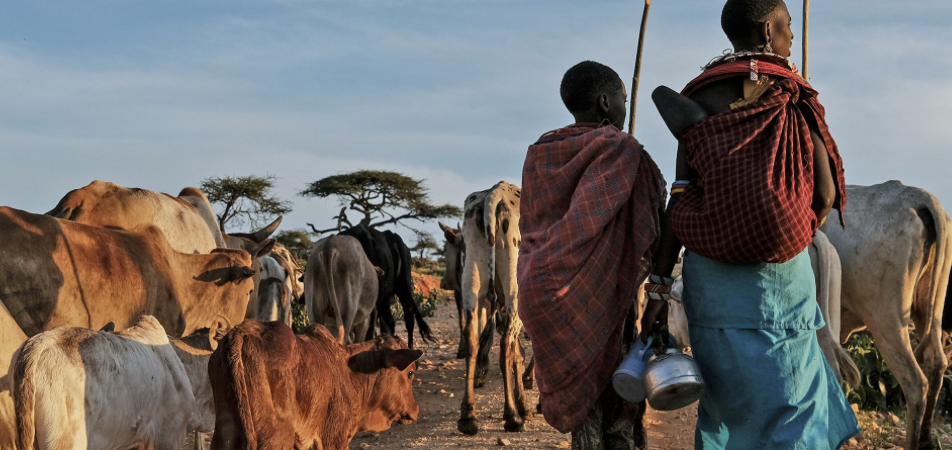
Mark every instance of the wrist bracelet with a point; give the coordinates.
(658, 279)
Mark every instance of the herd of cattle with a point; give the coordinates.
(157, 267)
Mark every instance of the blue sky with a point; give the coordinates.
(161, 95)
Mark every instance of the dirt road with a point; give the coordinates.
(438, 390)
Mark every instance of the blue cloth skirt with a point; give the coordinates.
(753, 334)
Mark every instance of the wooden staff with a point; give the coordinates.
(634, 80)
(806, 41)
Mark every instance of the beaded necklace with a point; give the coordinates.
(730, 56)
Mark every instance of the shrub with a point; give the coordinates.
(426, 305)
(878, 390)
(299, 319)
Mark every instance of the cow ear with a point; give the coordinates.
(262, 249)
(64, 214)
(220, 327)
(239, 273)
(402, 358)
(448, 233)
(368, 362)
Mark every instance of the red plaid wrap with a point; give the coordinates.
(752, 199)
(590, 220)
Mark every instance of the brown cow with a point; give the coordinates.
(11, 337)
(307, 391)
(106, 204)
(59, 272)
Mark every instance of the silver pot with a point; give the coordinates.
(673, 380)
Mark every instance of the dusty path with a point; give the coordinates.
(439, 387)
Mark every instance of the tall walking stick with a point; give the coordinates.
(635, 79)
(806, 40)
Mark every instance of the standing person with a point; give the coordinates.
(590, 221)
(755, 180)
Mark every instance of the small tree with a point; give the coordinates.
(244, 199)
(298, 242)
(381, 196)
(425, 243)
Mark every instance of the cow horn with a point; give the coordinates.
(265, 232)
(379, 271)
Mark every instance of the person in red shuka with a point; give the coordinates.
(592, 199)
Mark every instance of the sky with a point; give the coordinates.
(163, 94)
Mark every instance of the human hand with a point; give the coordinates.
(655, 311)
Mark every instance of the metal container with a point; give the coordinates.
(672, 380)
(629, 380)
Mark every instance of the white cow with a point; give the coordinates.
(80, 388)
(11, 337)
(896, 252)
(274, 297)
(487, 270)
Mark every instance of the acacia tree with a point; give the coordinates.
(298, 242)
(425, 243)
(381, 197)
(244, 199)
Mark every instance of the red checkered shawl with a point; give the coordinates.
(591, 205)
(752, 199)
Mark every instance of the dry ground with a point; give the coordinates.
(438, 390)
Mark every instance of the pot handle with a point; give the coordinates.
(660, 338)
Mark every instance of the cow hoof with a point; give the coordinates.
(468, 426)
(514, 426)
(527, 383)
(930, 443)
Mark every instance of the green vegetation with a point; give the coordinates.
(878, 390)
(427, 305)
(298, 317)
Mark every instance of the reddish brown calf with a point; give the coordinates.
(274, 389)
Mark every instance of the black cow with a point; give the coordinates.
(387, 251)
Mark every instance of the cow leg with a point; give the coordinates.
(485, 345)
(515, 412)
(370, 325)
(892, 339)
(933, 361)
(361, 329)
(387, 323)
(476, 287)
(461, 351)
(199, 441)
(528, 379)
(467, 423)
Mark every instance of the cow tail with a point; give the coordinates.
(847, 366)
(240, 394)
(332, 291)
(24, 394)
(411, 310)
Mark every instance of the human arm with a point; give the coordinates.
(669, 249)
(824, 189)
